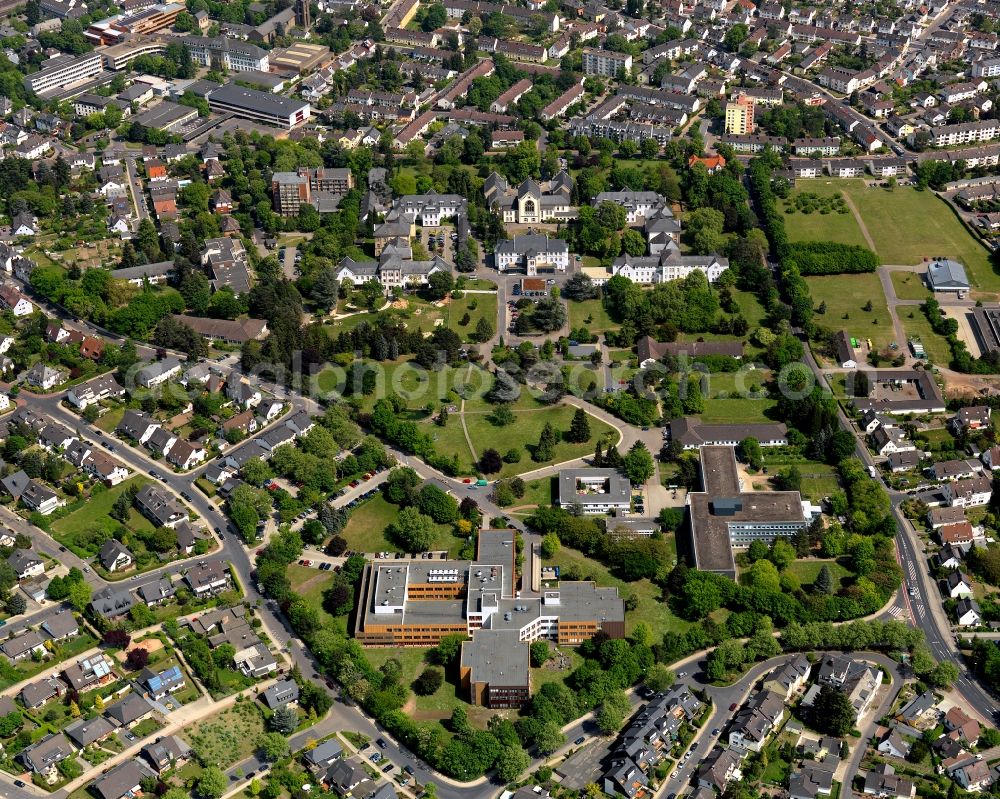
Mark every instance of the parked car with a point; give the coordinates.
(580, 740)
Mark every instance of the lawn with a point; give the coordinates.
(524, 435)
(87, 526)
(807, 570)
(909, 285)
(539, 492)
(846, 295)
(842, 228)
(440, 704)
(226, 737)
(477, 306)
(580, 312)
(750, 307)
(908, 226)
(935, 345)
(365, 530)
(651, 608)
(109, 420)
(736, 411)
(310, 583)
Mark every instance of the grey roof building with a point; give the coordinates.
(128, 710)
(84, 732)
(48, 752)
(122, 781)
(947, 275)
(595, 490)
(283, 692)
(166, 752)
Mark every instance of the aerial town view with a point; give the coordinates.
(533, 399)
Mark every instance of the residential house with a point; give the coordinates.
(968, 612)
(61, 626)
(168, 752)
(159, 506)
(160, 684)
(112, 602)
(282, 693)
(28, 643)
(323, 755)
(88, 673)
(115, 556)
(26, 564)
(87, 732)
(43, 757)
(958, 585)
(129, 710)
(123, 781)
(883, 782)
(893, 744)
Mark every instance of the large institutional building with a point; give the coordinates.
(725, 518)
(417, 603)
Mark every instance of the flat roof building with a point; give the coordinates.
(62, 71)
(725, 518)
(595, 491)
(417, 603)
(494, 669)
(270, 109)
(166, 115)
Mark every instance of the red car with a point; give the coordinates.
(732, 706)
(467, 480)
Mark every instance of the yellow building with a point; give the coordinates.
(739, 116)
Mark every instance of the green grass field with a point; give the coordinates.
(594, 310)
(905, 224)
(524, 434)
(736, 411)
(847, 294)
(365, 531)
(837, 227)
(226, 737)
(909, 286)
(485, 308)
(310, 583)
(806, 571)
(652, 609)
(94, 514)
(935, 345)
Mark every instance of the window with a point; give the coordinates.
(529, 206)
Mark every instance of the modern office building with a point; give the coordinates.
(62, 71)
(725, 518)
(270, 109)
(595, 491)
(418, 602)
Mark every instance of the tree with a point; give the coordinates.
(273, 746)
(579, 428)
(490, 462)
(660, 678)
(429, 681)
(540, 653)
(484, 330)
(412, 530)
(437, 504)
(609, 720)
(16, 604)
(824, 581)
(501, 416)
(832, 713)
(284, 720)
(638, 464)
(750, 453)
(550, 545)
(212, 783)
(137, 658)
(545, 450)
(549, 737)
(782, 553)
(400, 487)
(511, 763)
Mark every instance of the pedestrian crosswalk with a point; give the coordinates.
(898, 612)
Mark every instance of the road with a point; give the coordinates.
(922, 596)
(135, 186)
